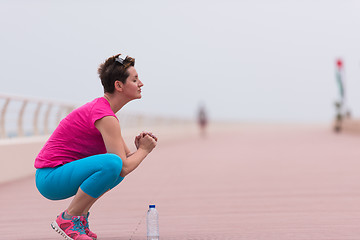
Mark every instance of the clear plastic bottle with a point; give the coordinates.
(152, 220)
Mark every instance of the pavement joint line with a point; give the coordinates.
(137, 226)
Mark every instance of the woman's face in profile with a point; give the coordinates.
(132, 85)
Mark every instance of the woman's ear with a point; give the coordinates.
(118, 86)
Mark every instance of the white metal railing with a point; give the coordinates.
(24, 116)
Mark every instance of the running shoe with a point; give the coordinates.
(72, 229)
(85, 221)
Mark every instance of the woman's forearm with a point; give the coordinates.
(133, 161)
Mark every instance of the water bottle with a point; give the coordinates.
(152, 220)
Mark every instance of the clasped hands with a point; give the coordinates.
(146, 140)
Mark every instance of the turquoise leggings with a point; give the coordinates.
(94, 175)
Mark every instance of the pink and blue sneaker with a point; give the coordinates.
(71, 229)
(85, 220)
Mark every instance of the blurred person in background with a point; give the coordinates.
(86, 155)
(202, 120)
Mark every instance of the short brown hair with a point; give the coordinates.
(112, 70)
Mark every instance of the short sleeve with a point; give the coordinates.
(101, 109)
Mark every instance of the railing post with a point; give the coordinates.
(36, 118)
(2, 119)
(20, 120)
(58, 115)
(46, 119)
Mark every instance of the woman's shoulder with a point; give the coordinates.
(100, 104)
(95, 105)
(100, 108)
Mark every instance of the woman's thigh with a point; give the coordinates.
(90, 173)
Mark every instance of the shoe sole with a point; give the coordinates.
(56, 227)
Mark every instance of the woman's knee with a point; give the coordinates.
(112, 163)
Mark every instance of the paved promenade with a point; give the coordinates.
(252, 183)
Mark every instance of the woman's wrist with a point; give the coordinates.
(143, 151)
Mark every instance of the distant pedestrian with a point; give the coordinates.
(202, 120)
(86, 155)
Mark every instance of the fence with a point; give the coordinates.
(24, 116)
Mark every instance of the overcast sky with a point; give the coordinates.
(266, 60)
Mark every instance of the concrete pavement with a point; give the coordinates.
(254, 182)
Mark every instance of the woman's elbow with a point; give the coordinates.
(124, 172)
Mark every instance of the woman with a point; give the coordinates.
(86, 155)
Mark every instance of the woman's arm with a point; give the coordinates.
(109, 128)
(127, 150)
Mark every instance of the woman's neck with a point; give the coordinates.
(116, 101)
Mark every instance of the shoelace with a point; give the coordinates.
(86, 222)
(78, 225)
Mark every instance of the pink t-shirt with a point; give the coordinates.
(76, 136)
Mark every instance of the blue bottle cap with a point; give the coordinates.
(151, 206)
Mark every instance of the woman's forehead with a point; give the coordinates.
(132, 71)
